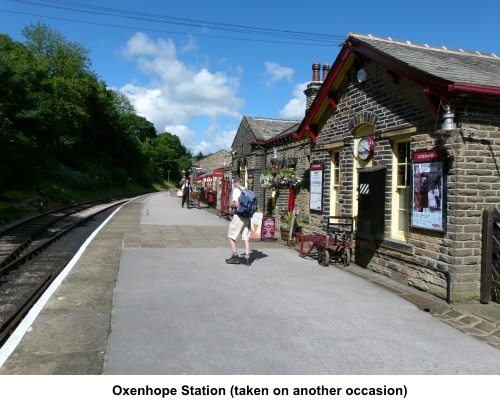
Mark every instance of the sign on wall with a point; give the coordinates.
(429, 191)
(316, 186)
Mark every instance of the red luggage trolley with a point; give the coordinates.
(334, 245)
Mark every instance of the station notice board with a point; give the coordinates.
(316, 186)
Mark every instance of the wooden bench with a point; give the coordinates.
(333, 245)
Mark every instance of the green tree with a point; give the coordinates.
(167, 152)
(23, 111)
(68, 83)
(135, 124)
(57, 119)
(199, 156)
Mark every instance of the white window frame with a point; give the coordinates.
(398, 190)
(335, 183)
(365, 129)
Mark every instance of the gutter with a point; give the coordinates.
(473, 88)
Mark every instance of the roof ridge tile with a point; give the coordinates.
(425, 46)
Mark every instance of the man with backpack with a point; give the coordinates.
(240, 224)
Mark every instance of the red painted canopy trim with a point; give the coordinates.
(473, 88)
(323, 93)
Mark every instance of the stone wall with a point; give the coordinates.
(289, 149)
(215, 161)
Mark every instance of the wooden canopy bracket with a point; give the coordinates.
(333, 99)
(312, 133)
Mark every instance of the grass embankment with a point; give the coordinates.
(19, 202)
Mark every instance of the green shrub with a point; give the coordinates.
(11, 213)
(13, 196)
(118, 176)
(75, 179)
(56, 192)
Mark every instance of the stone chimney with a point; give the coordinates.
(313, 87)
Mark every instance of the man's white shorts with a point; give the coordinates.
(236, 226)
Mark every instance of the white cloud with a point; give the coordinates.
(276, 72)
(295, 108)
(213, 138)
(185, 134)
(178, 93)
(190, 45)
(221, 138)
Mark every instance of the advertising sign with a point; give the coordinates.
(429, 191)
(268, 228)
(256, 227)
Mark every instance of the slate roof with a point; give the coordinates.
(442, 72)
(456, 66)
(267, 128)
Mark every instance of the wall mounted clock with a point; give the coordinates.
(365, 148)
(361, 75)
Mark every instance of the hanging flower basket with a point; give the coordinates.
(280, 179)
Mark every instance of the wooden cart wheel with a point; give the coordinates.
(323, 256)
(291, 242)
(345, 258)
(327, 258)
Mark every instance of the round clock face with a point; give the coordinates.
(361, 75)
(365, 148)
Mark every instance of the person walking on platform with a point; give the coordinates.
(238, 225)
(186, 188)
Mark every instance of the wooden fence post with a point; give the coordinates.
(486, 256)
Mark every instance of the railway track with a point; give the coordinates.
(35, 251)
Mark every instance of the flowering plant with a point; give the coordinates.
(288, 178)
(276, 179)
(266, 179)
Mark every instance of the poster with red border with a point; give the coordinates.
(428, 209)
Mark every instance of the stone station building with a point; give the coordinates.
(407, 141)
(408, 137)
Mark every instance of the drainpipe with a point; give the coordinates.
(446, 273)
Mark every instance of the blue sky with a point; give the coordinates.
(194, 68)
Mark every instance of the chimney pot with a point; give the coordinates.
(326, 69)
(316, 68)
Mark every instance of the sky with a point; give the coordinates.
(195, 68)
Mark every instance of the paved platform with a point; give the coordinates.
(150, 293)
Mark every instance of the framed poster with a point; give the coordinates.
(429, 191)
(316, 186)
